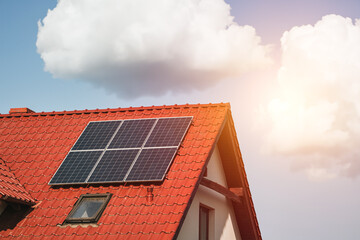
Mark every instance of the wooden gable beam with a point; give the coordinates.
(233, 194)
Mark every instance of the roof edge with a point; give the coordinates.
(18, 200)
(87, 111)
(201, 174)
(240, 168)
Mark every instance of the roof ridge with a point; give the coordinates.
(105, 110)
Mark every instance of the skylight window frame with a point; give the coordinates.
(97, 215)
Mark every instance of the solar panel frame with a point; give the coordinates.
(116, 162)
(172, 159)
(159, 139)
(78, 144)
(69, 164)
(71, 150)
(142, 148)
(126, 128)
(145, 158)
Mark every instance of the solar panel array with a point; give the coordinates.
(123, 151)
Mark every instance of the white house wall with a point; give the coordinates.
(222, 223)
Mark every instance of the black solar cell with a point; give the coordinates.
(76, 167)
(168, 132)
(132, 133)
(151, 164)
(96, 135)
(113, 166)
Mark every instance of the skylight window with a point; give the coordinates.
(88, 208)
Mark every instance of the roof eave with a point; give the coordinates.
(17, 200)
(236, 178)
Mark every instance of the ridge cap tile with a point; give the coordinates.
(97, 110)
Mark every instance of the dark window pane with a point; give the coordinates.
(204, 223)
(88, 208)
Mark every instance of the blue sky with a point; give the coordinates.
(289, 203)
(26, 84)
(24, 81)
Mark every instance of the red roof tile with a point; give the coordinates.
(34, 145)
(11, 189)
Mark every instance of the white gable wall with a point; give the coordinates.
(222, 223)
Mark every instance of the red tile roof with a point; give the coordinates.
(33, 145)
(11, 189)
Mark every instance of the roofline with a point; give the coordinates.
(201, 175)
(129, 109)
(256, 234)
(241, 170)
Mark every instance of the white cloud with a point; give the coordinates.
(142, 47)
(316, 117)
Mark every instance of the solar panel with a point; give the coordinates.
(123, 150)
(152, 164)
(113, 166)
(76, 167)
(132, 134)
(168, 132)
(96, 135)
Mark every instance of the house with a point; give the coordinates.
(50, 185)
